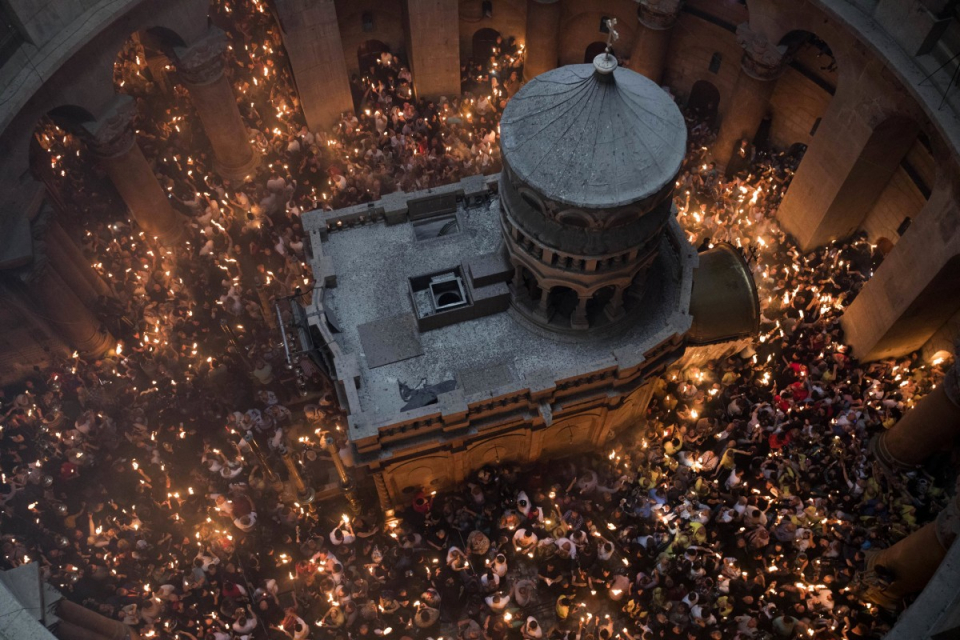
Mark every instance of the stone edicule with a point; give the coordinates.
(591, 154)
(434, 387)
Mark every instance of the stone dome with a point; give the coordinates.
(592, 139)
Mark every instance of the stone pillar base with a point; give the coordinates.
(238, 174)
(614, 313)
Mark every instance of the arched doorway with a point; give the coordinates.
(368, 53)
(593, 50)
(485, 44)
(704, 100)
(528, 286)
(812, 53)
(563, 301)
(597, 303)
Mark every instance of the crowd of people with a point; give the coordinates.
(741, 508)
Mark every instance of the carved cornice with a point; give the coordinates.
(202, 62)
(114, 134)
(762, 59)
(659, 14)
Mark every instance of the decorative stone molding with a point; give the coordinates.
(659, 15)
(114, 134)
(762, 59)
(202, 62)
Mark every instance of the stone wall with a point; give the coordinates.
(900, 199)
(580, 26)
(387, 27)
(693, 43)
(509, 19)
(796, 104)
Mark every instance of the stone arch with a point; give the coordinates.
(619, 218)
(369, 52)
(426, 473)
(705, 100)
(483, 43)
(594, 49)
(569, 435)
(162, 37)
(778, 21)
(528, 285)
(575, 218)
(532, 199)
(563, 299)
(797, 40)
(496, 450)
(598, 300)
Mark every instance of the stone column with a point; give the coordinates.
(542, 43)
(87, 624)
(913, 560)
(201, 67)
(650, 45)
(73, 266)
(311, 36)
(761, 65)
(579, 318)
(114, 143)
(933, 425)
(543, 308)
(614, 308)
(433, 43)
(66, 312)
(847, 165)
(386, 504)
(346, 480)
(916, 289)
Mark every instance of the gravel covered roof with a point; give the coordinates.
(593, 140)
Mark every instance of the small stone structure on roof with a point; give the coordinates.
(520, 316)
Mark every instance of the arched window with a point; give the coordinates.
(715, 61)
(530, 200)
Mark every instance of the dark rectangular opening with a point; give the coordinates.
(715, 61)
(436, 226)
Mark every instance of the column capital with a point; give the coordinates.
(202, 62)
(762, 59)
(113, 135)
(658, 15)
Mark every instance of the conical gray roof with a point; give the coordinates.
(593, 140)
